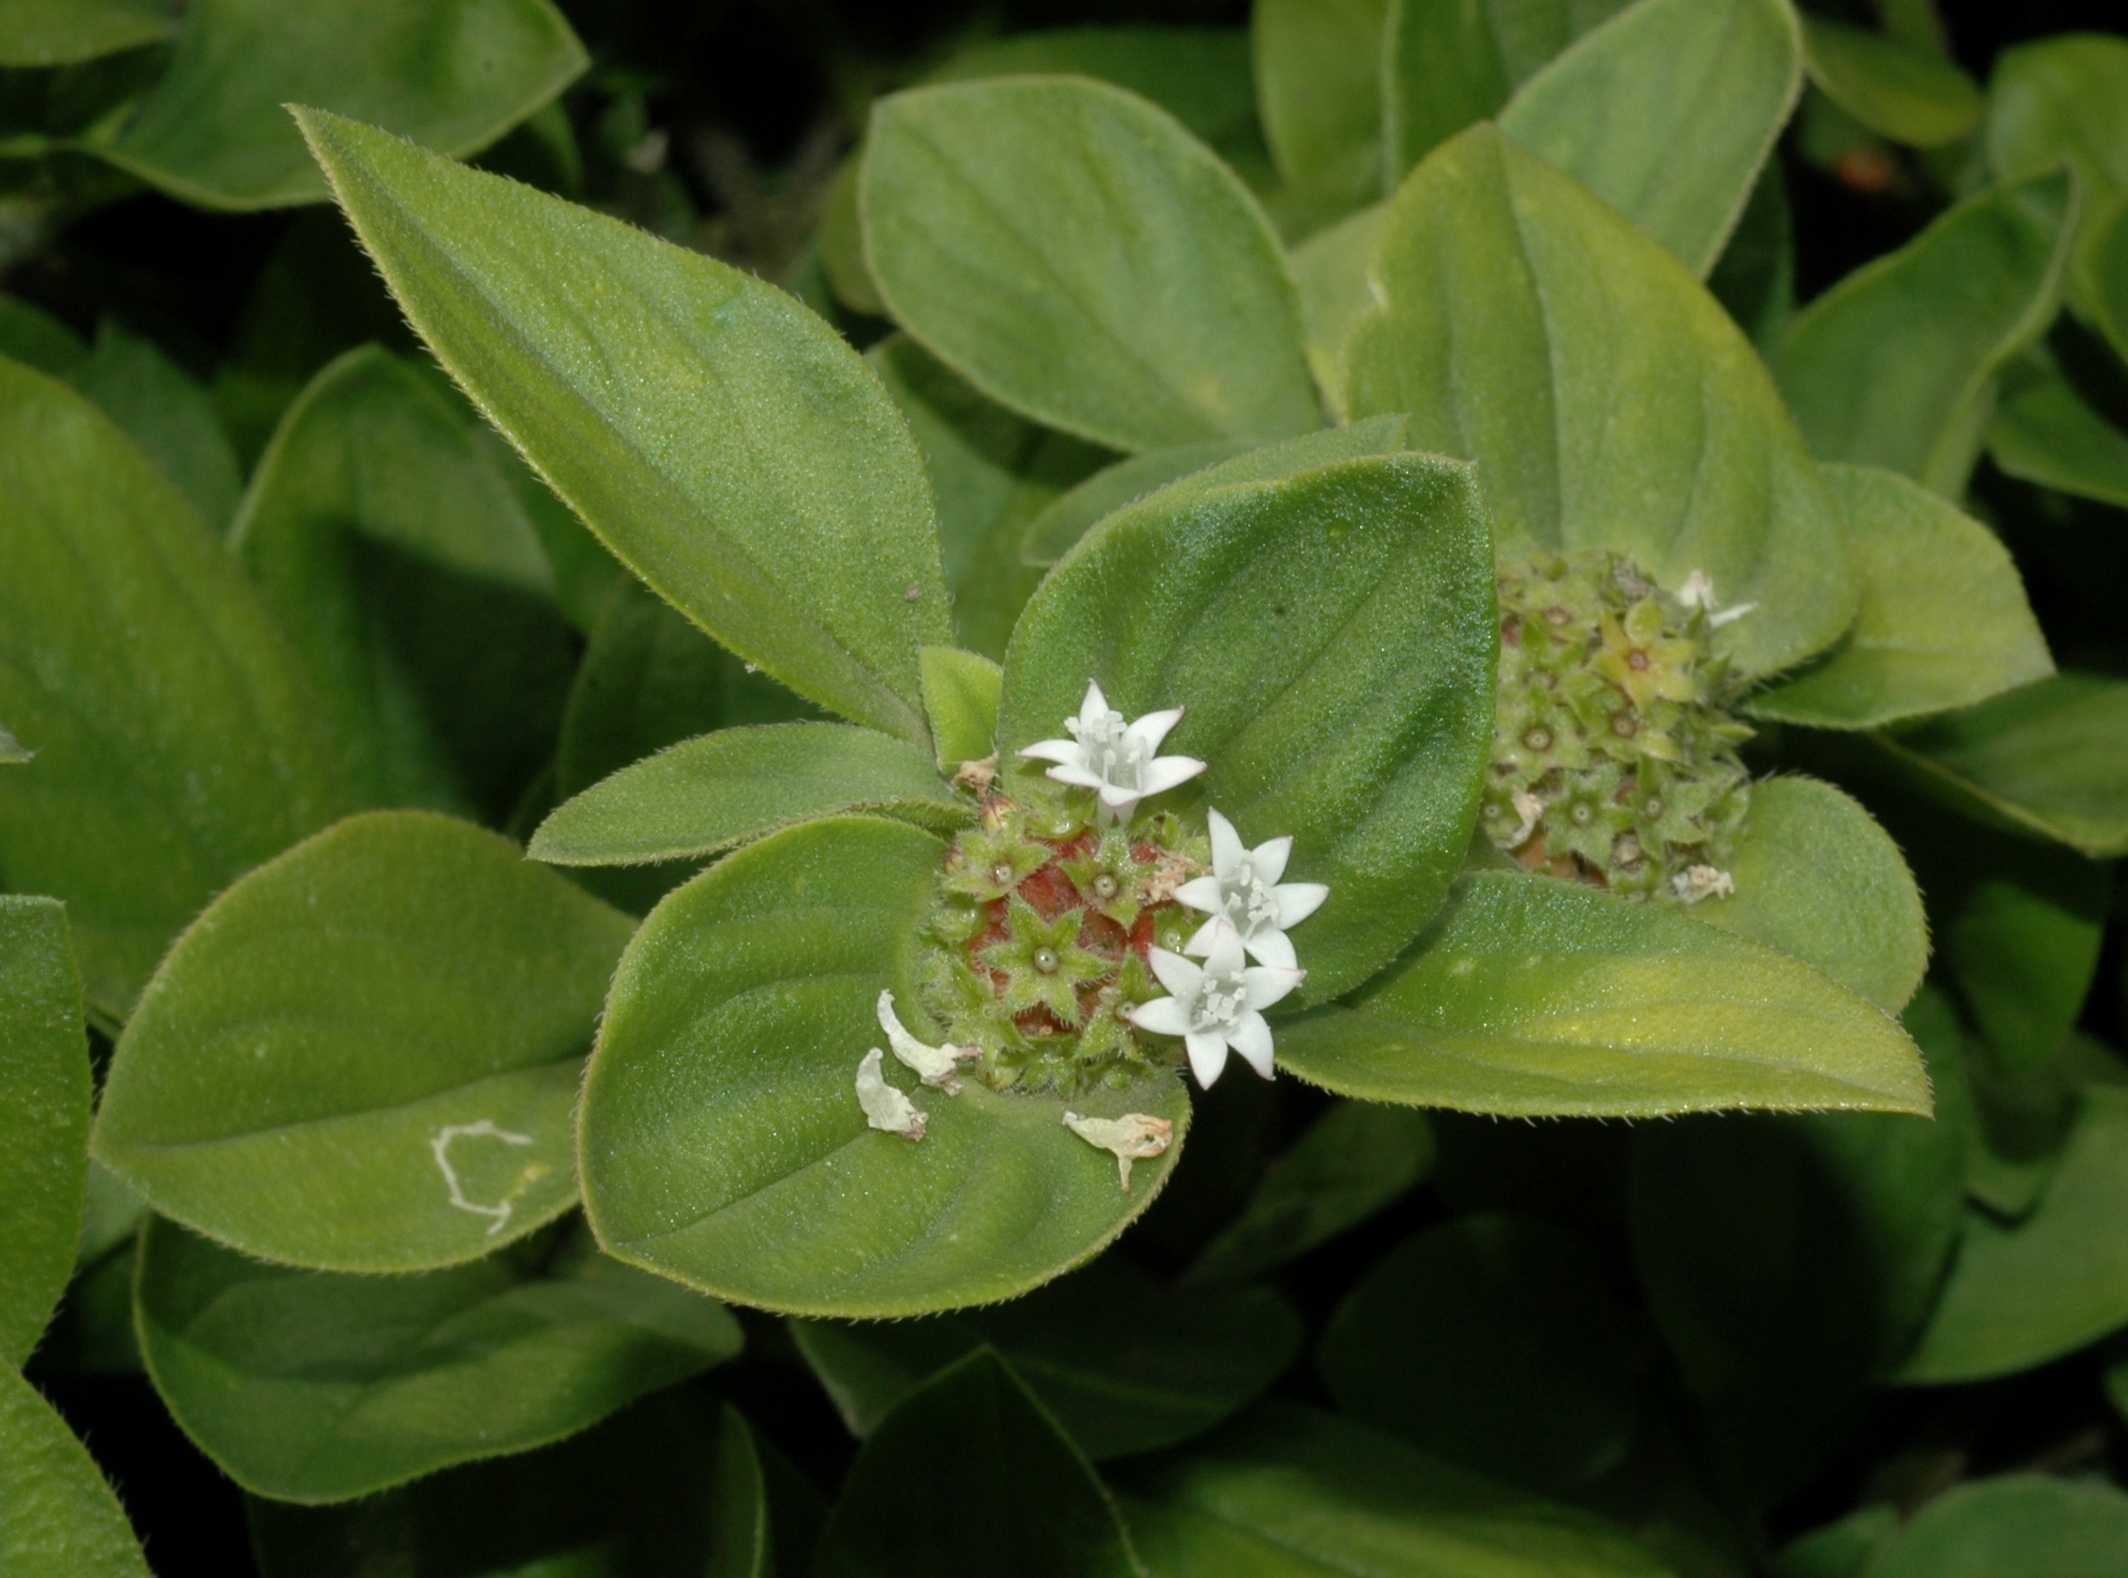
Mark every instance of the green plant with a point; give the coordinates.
(1408, 606)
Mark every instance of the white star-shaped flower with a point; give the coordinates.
(1244, 888)
(1218, 1004)
(1113, 758)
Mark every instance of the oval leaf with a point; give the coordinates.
(2021, 1295)
(1895, 365)
(364, 1056)
(718, 437)
(140, 668)
(1019, 1499)
(57, 1516)
(709, 793)
(1125, 1365)
(2045, 433)
(1894, 88)
(59, 32)
(2011, 1526)
(1818, 878)
(1608, 400)
(1491, 1341)
(1051, 534)
(2049, 759)
(310, 1387)
(1074, 253)
(1331, 639)
(1287, 1490)
(412, 583)
(44, 1117)
(1535, 997)
(1944, 621)
(1318, 91)
(1666, 112)
(722, 1140)
(452, 74)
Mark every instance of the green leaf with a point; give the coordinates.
(1052, 534)
(781, 504)
(968, 1478)
(166, 413)
(413, 585)
(1533, 997)
(140, 667)
(1608, 400)
(1331, 637)
(961, 698)
(1199, 75)
(59, 32)
(1353, 1160)
(1076, 255)
(993, 473)
(1667, 111)
(707, 794)
(1840, 1549)
(1816, 877)
(454, 75)
(1124, 1365)
(1895, 365)
(35, 338)
(1331, 270)
(364, 1056)
(1789, 1260)
(1755, 275)
(2045, 759)
(742, 1542)
(1290, 1492)
(1318, 87)
(1490, 1341)
(625, 1499)
(1449, 63)
(722, 1142)
(2045, 433)
(2011, 1526)
(2020, 1295)
(57, 1516)
(1944, 622)
(314, 1388)
(1896, 89)
(44, 1117)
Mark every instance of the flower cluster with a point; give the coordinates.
(1614, 756)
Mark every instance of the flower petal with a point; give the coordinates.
(1222, 954)
(1118, 799)
(1201, 893)
(1183, 977)
(1227, 848)
(1162, 773)
(1163, 1016)
(1094, 708)
(1267, 984)
(1271, 857)
(1075, 775)
(1054, 751)
(1273, 948)
(1200, 942)
(1253, 1041)
(1153, 728)
(1298, 900)
(1208, 1055)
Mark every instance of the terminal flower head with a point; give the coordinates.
(1217, 1005)
(1244, 890)
(1115, 758)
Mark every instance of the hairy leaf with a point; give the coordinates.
(1535, 997)
(57, 1515)
(44, 1117)
(364, 1056)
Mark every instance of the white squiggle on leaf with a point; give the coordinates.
(486, 1129)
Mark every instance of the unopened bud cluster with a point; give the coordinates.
(1614, 756)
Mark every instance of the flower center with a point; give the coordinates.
(1221, 1002)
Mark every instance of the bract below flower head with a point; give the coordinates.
(1114, 758)
(1217, 1005)
(1244, 890)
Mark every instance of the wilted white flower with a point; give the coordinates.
(1244, 889)
(1113, 758)
(884, 1106)
(933, 1065)
(1216, 1005)
(1702, 882)
(1134, 1137)
(1698, 592)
